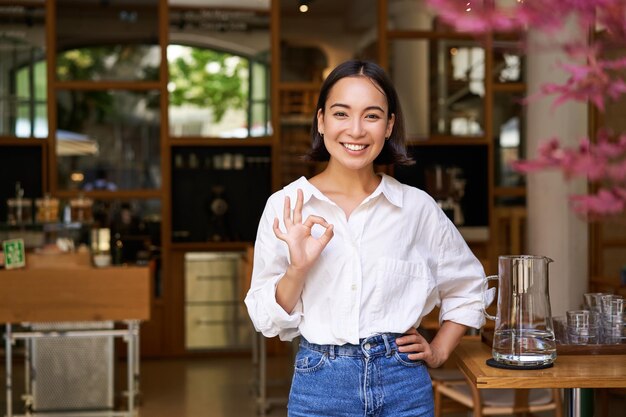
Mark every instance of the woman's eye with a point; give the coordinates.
(340, 114)
(372, 116)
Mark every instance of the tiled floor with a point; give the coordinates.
(215, 387)
(210, 387)
(222, 387)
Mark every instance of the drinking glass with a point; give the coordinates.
(582, 329)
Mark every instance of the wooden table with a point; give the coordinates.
(75, 293)
(571, 372)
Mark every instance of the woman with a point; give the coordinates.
(358, 261)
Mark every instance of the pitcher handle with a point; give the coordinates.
(488, 295)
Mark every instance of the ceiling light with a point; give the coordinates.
(304, 6)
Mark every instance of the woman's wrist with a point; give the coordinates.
(439, 354)
(289, 288)
(296, 273)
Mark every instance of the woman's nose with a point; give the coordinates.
(356, 129)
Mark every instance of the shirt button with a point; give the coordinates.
(367, 346)
(353, 287)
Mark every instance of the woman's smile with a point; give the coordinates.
(354, 147)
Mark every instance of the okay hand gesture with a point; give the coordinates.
(304, 249)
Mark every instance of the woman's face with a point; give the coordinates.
(355, 122)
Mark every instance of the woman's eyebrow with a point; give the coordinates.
(367, 108)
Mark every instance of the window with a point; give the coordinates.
(217, 94)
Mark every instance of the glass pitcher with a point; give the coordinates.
(524, 333)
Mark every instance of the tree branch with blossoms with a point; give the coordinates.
(591, 79)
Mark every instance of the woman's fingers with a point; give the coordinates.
(312, 219)
(297, 213)
(287, 212)
(413, 347)
(413, 343)
(290, 221)
(409, 336)
(279, 234)
(328, 234)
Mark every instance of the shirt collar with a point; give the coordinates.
(389, 187)
(308, 190)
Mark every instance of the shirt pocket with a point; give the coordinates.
(401, 289)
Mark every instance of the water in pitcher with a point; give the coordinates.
(524, 347)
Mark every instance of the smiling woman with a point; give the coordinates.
(359, 260)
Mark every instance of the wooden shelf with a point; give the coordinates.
(13, 141)
(509, 191)
(509, 87)
(448, 140)
(428, 34)
(223, 142)
(107, 85)
(111, 195)
(209, 246)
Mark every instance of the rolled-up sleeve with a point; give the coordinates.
(270, 263)
(460, 278)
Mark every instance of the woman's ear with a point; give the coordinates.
(390, 123)
(320, 122)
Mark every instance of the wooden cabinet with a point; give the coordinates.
(214, 315)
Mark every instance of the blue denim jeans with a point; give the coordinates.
(371, 379)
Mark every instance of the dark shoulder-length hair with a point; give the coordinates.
(394, 149)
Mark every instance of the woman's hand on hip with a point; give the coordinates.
(304, 249)
(418, 348)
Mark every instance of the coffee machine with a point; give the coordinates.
(447, 186)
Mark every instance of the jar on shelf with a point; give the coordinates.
(81, 209)
(19, 211)
(47, 209)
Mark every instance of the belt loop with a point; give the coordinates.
(331, 351)
(387, 346)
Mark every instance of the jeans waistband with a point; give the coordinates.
(379, 344)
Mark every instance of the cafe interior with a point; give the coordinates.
(140, 140)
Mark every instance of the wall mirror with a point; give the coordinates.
(23, 111)
(219, 69)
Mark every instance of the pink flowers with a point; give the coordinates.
(589, 82)
(603, 163)
(591, 78)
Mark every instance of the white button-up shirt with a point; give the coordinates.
(386, 267)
